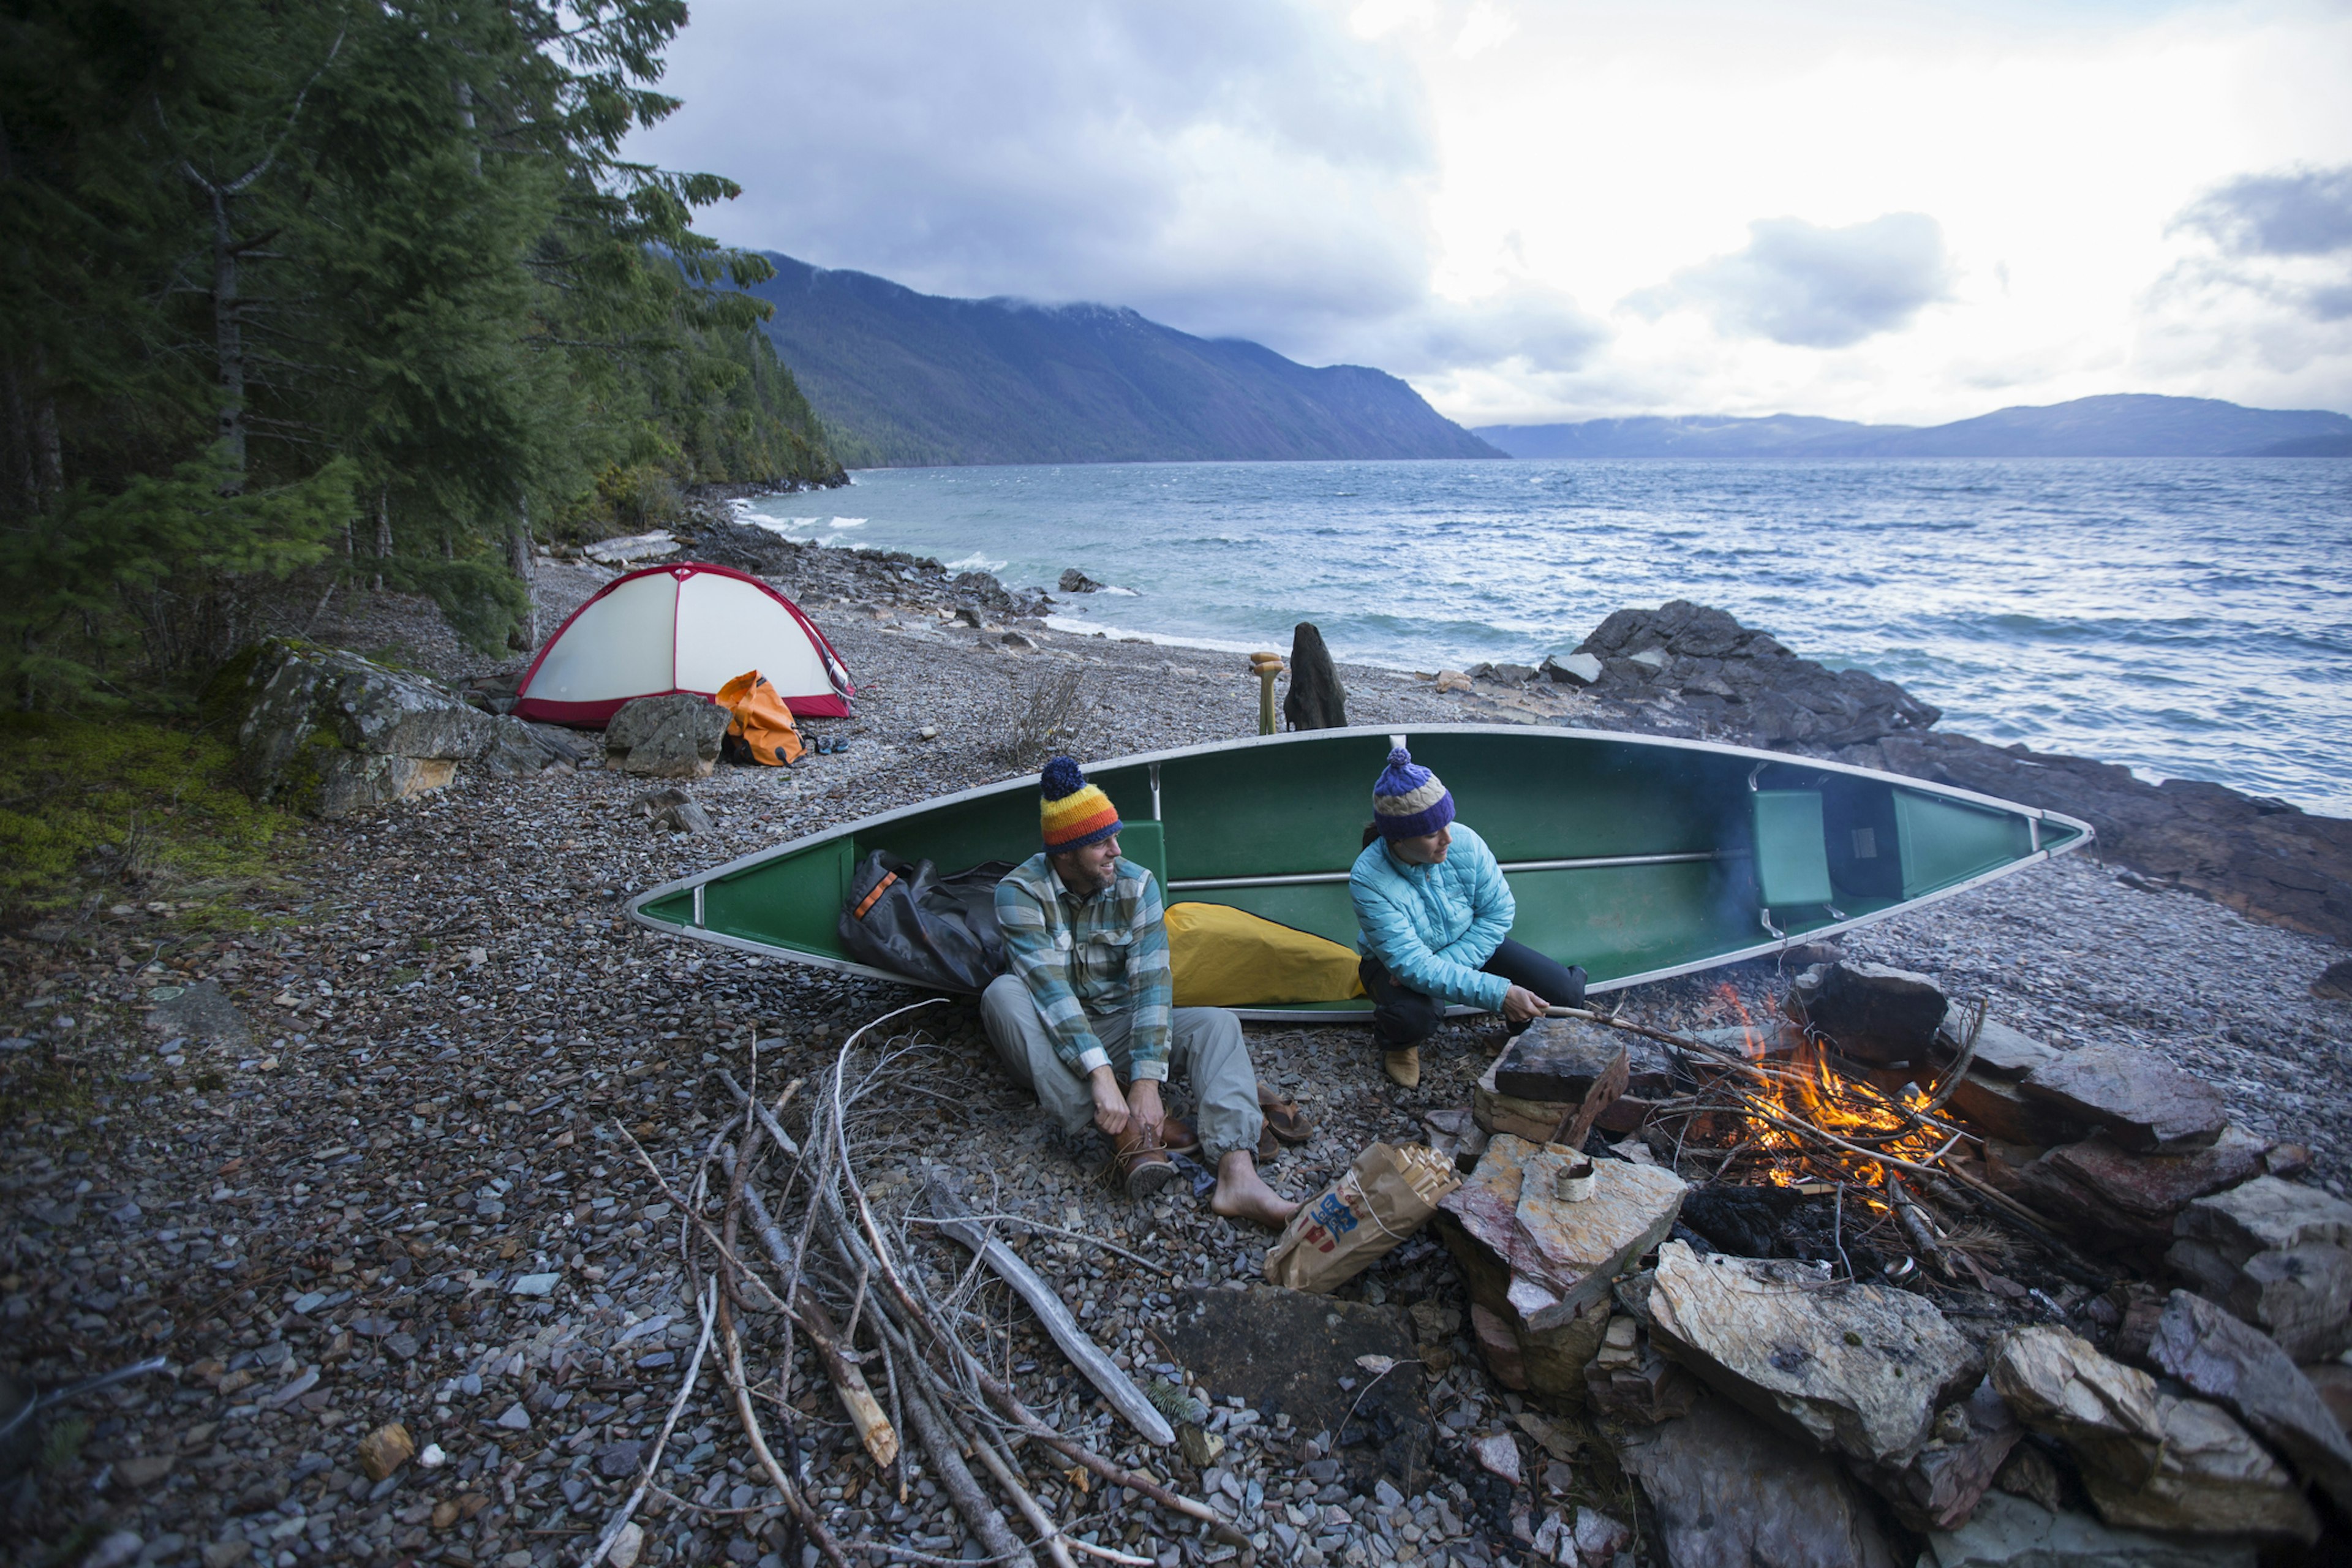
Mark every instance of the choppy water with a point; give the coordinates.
(2190, 617)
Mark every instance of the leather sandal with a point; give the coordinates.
(1283, 1120)
(1143, 1165)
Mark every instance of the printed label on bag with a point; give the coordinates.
(1332, 1210)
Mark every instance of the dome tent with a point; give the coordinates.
(690, 627)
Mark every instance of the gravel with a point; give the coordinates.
(402, 1196)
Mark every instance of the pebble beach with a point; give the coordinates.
(365, 1163)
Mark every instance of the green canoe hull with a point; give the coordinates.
(1637, 856)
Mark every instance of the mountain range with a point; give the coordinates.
(2120, 425)
(902, 379)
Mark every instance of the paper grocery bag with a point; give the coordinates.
(1387, 1195)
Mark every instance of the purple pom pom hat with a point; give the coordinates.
(1409, 800)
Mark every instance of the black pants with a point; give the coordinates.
(1403, 1017)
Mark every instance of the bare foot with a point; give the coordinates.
(1242, 1194)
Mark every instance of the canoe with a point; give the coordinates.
(1636, 856)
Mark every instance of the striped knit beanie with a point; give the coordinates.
(1072, 813)
(1409, 800)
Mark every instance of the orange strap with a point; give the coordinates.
(880, 888)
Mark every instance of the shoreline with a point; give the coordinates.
(382, 1154)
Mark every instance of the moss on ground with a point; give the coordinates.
(123, 811)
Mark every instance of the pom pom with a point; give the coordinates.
(1398, 757)
(1062, 777)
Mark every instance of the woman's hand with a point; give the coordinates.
(1519, 1005)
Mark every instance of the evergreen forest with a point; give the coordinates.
(312, 295)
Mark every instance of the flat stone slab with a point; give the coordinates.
(2105, 1411)
(2267, 1214)
(1562, 1255)
(2145, 1103)
(1731, 1492)
(2007, 1531)
(2244, 1370)
(2002, 1051)
(2113, 1194)
(1949, 1476)
(1857, 1368)
(1996, 1107)
(1535, 1120)
(1287, 1352)
(2212, 1479)
(2300, 1295)
(203, 1013)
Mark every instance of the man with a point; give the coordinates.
(1435, 915)
(1088, 1002)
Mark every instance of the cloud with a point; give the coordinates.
(1524, 326)
(1229, 166)
(1810, 287)
(2307, 212)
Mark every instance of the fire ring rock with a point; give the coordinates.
(1857, 1368)
(332, 733)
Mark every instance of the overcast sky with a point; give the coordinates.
(1539, 211)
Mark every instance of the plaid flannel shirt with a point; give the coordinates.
(1092, 957)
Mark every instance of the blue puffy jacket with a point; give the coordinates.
(1433, 926)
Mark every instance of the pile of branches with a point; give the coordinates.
(782, 1248)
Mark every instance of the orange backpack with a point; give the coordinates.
(763, 725)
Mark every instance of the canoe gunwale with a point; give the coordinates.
(2085, 834)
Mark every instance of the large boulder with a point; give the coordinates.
(328, 731)
(671, 737)
(1745, 680)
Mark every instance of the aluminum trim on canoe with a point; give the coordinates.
(1590, 863)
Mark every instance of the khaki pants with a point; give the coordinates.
(1205, 1049)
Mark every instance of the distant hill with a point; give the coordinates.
(2121, 424)
(903, 379)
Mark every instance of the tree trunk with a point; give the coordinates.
(229, 339)
(520, 561)
(383, 532)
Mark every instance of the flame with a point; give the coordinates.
(1805, 1087)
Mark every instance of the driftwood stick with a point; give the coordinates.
(619, 1522)
(811, 1525)
(937, 1438)
(874, 1428)
(1084, 1354)
(784, 1140)
(1009, 1483)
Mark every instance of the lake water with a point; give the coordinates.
(2188, 617)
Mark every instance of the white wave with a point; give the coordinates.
(1081, 626)
(976, 562)
(846, 521)
(1123, 593)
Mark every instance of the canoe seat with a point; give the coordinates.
(1792, 853)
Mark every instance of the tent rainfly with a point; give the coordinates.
(686, 628)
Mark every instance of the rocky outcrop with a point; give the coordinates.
(1685, 669)
(810, 572)
(1745, 681)
(2241, 1368)
(671, 737)
(330, 732)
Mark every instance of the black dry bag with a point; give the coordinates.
(935, 931)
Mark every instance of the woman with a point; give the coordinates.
(1435, 915)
